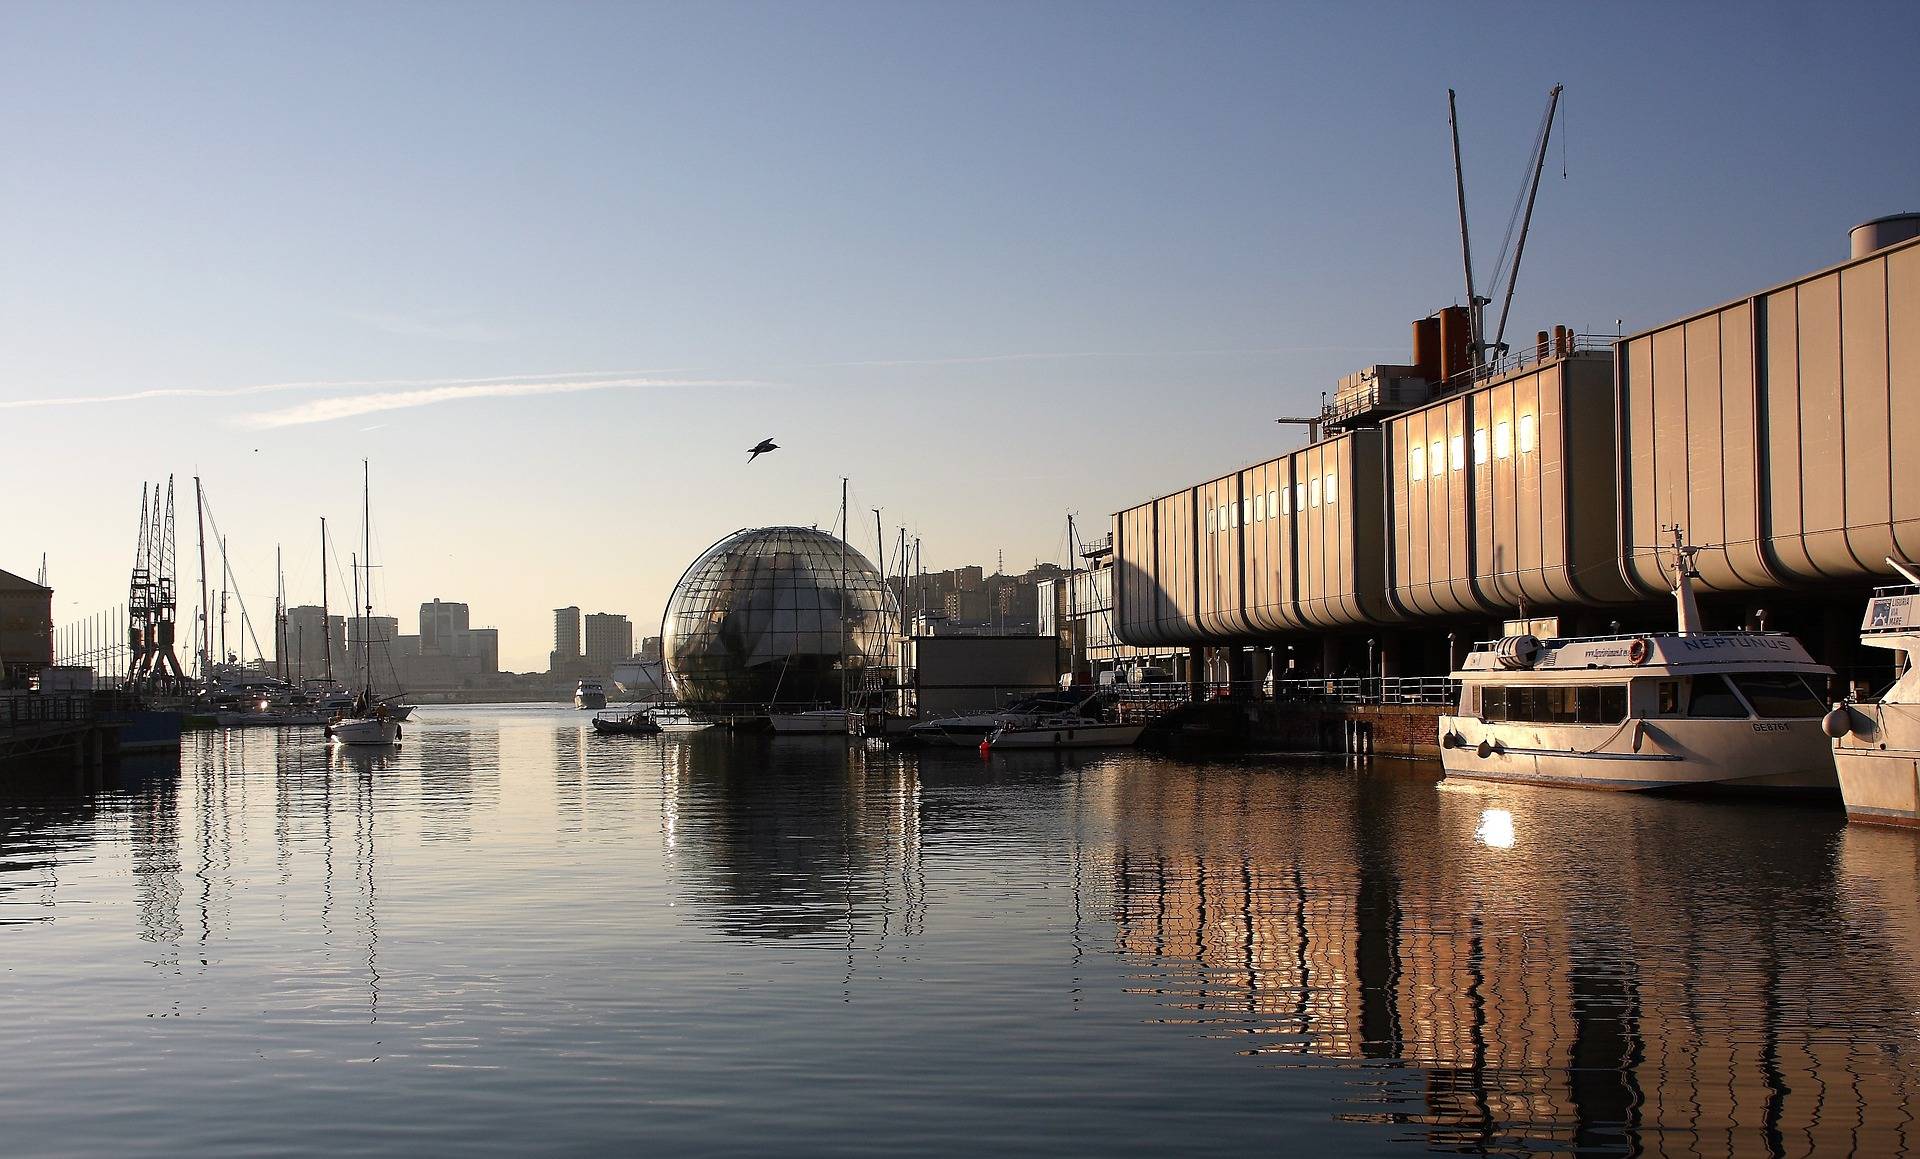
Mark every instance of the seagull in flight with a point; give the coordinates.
(762, 448)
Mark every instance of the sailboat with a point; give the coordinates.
(370, 721)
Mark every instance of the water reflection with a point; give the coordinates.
(1540, 969)
(796, 842)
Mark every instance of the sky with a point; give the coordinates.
(552, 268)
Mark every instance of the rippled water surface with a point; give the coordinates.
(513, 937)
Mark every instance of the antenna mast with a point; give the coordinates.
(1539, 162)
(1474, 303)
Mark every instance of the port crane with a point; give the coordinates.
(151, 601)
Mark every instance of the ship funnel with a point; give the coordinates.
(1882, 232)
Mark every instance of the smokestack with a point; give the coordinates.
(1426, 348)
(1540, 346)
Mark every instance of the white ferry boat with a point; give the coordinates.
(1660, 710)
(1876, 746)
(590, 694)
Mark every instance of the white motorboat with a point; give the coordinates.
(675, 718)
(1660, 710)
(816, 722)
(1064, 732)
(591, 694)
(1876, 744)
(968, 730)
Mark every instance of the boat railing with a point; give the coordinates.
(1136, 702)
(1556, 641)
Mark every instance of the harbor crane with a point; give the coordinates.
(151, 602)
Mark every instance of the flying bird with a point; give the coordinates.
(764, 446)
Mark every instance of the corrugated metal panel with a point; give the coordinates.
(1791, 471)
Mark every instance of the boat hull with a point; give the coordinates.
(808, 723)
(365, 731)
(1879, 764)
(635, 727)
(1644, 755)
(1068, 736)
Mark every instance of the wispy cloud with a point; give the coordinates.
(1076, 354)
(312, 385)
(352, 406)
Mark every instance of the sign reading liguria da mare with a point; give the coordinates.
(1885, 612)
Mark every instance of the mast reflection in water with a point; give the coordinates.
(512, 935)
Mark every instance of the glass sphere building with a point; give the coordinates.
(774, 615)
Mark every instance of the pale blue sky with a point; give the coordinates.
(995, 262)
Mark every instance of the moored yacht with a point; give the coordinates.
(1876, 745)
(1658, 710)
(590, 693)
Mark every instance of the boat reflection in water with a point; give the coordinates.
(1525, 969)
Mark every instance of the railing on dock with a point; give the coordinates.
(1148, 700)
(24, 710)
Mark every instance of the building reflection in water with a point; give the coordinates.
(812, 839)
(1523, 969)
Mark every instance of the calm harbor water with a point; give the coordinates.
(513, 936)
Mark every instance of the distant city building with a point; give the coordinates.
(565, 656)
(609, 641)
(649, 649)
(443, 629)
(314, 638)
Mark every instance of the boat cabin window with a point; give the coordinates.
(1554, 704)
(1776, 695)
(1669, 698)
(1711, 698)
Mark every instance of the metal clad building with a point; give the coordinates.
(1505, 493)
(1779, 431)
(1292, 544)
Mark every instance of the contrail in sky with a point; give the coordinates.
(351, 406)
(318, 384)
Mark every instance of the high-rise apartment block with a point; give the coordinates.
(609, 641)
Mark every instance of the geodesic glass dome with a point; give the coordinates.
(771, 616)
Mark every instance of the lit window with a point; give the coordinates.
(1299, 496)
(1223, 517)
(1210, 521)
(1417, 464)
(1526, 433)
(1458, 453)
(1437, 457)
(1479, 445)
(1259, 507)
(1333, 486)
(1313, 491)
(1246, 511)
(1273, 502)
(1286, 501)
(1503, 440)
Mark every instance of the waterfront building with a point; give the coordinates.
(609, 641)
(443, 629)
(26, 629)
(787, 615)
(1447, 496)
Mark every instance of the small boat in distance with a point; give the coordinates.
(675, 718)
(1660, 710)
(629, 724)
(1063, 732)
(1876, 744)
(369, 721)
(590, 693)
(815, 722)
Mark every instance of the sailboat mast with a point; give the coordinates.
(200, 515)
(279, 614)
(366, 560)
(1073, 612)
(843, 593)
(326, 617)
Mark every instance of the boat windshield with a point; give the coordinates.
(1777, 695)
(1712, 699)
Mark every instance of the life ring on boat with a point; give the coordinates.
(1638, 651)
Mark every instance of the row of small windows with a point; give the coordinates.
(1259, 508)
(1442, 455)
